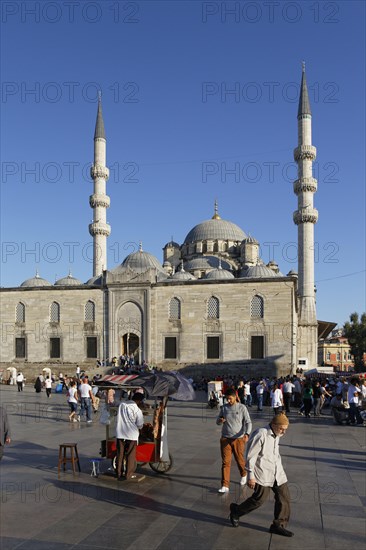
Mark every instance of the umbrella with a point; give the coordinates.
(159, 384)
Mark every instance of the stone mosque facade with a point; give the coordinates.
(212, 300)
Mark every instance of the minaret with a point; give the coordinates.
(99, 201)
(305, 217)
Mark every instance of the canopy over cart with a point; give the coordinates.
(153, 442)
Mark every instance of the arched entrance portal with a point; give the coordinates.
(130, 339)
(131, 345)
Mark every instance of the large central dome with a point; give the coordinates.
(215, 229)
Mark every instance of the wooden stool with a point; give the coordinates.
(63, 458)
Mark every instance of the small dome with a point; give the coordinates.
(182, 275)
(251, 240)
(68, 281)
(139, 262)
(292, 273)
(35, 281)
(219, 274)
(171, 244)
(96, 280)
(257, 272)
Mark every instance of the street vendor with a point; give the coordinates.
(129, 422)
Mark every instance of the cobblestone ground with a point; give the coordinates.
(325, 465)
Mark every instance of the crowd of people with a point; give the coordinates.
(308, 395)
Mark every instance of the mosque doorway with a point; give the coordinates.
(131, 345)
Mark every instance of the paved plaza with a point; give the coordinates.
(181, 510)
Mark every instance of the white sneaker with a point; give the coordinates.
(243, 481)
(223, 490)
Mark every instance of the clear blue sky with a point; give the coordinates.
(174, 131)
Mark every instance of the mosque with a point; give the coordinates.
(212, 300)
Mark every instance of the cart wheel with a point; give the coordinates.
(162, 467)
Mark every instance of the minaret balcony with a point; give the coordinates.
(302, 185)
(99, 171)
(99, 200)
(99, 228)
(305, 152)
(305, 215)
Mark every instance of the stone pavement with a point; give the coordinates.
(325, 465)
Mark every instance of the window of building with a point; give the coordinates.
(55, 312)
(350, 357)
(328, 356)
(345, 356)
(213, 347)
(20, 313)
(257, 307)
(257, 347)
(89, 311)
(170, 347)
(55, 348)
(91, 347)
(20, 348)
(338, 356)
(213, 308)
(174, 309)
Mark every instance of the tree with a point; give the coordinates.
(355, 332)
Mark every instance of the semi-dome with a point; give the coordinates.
(68, 281)
(257, 272)
(206, 262)
(35, 281)
(215, 229)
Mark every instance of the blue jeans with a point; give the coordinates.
(86, 405)
(260, 401)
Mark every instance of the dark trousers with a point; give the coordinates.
(287, 401)
(260, 495)
(20, 386)
(126, 450)
(307, 405)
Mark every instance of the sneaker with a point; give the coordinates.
(243, 480)
(89, 421)
(78, 418)
(74, 420)
(223, 490)
(279, 530)
(234, 518)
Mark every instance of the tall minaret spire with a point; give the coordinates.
(99, 201)
(305, 217)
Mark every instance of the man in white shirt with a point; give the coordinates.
(265, 474)
(86, 399)
(129, 422)
(287, 388)
(20, 380)
(354, 394)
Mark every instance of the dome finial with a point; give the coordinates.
(216, 214)
(140, 246)
(303, 66)
(37, 274)
(182, 267)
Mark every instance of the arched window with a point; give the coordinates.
(55, 312)
(338, 356)
(89, 311)
(20, 313)
(328, 356)
(257, 307)
(174, 309)
(213, 308)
